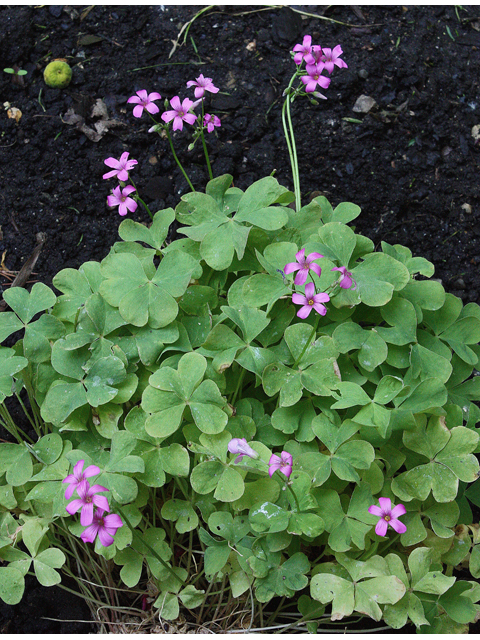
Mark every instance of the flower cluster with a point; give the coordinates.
(311, 299)
(282, 463)
(120, 194)
(96, 522)
(182, 111)
(316, 60)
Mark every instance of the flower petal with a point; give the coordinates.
(385, 505)
(398, 526)
(309, 290)
(375, 511)
(397, 511)
(291, 267)
(381, 528)
(301, 277)
(86, 515)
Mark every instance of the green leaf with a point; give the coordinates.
(154, 235)
(45, 564)
(191, 597)
(12, 585)
(27, 304)
(340, 592)
(182, 513)
(377, 277)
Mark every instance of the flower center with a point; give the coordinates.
(181, 114)
(311, 302)
(123, 198)
(387, 518)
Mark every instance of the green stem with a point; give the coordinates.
(237, 389)
(290, 140)
(140, 200)
(293, 494)
(177, 160)
(155, 554)
(205, 145)
(295, 169)
(307, 344)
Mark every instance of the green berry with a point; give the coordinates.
(57, 74)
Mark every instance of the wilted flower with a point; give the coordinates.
(88, 498)
(180, 113)
(103, 526)
(346, 280)
(120, 198)
(388, 515)
(240, 446)
(201, 85)
(211, 122)
(303, 265)
(121, 167)
(302, 50)
(143, 100)
(78, 475)
(282, 463)
(310, 301)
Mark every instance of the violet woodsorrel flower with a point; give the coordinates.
(388, 515)
(310, 301)
(314, 77)
(302, 50)
(201, 85)
(120, 167)
(180, 113)
(78, 475)
(331, 57)
(211, 122)
(103, 526)
(346, 280)
(240, 445)
(303, 265)
(120, 198)
(144, 100)
(88, 498)
(282, 463)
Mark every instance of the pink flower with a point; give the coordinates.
(143, 100)
(314, 77)
(120, 167)
(331, 58)
(346, 280)
(211, 122)
(202, 84)
(87, 499)
(303, 49)
(388, 516)
(310, 301)
(105, 526)
(180, 113)
(282, 464)
(120, 198)
(315, 56)
(240, 445)
(78, 475)
(303, 265)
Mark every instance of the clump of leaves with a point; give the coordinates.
(149, 363)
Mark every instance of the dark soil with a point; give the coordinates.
(412, 163)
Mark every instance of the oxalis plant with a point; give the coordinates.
(264, 416)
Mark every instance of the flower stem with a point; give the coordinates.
(159, 558)
(293, 494)
(140, 200)
(177, 160)
(290, 140)
(205, 145)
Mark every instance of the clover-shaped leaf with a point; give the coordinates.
(283, 579)
(143, 298)
(451, 460)
(170, 391)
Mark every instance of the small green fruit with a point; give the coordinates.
(57, 74)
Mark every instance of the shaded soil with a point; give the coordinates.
(411, 163)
